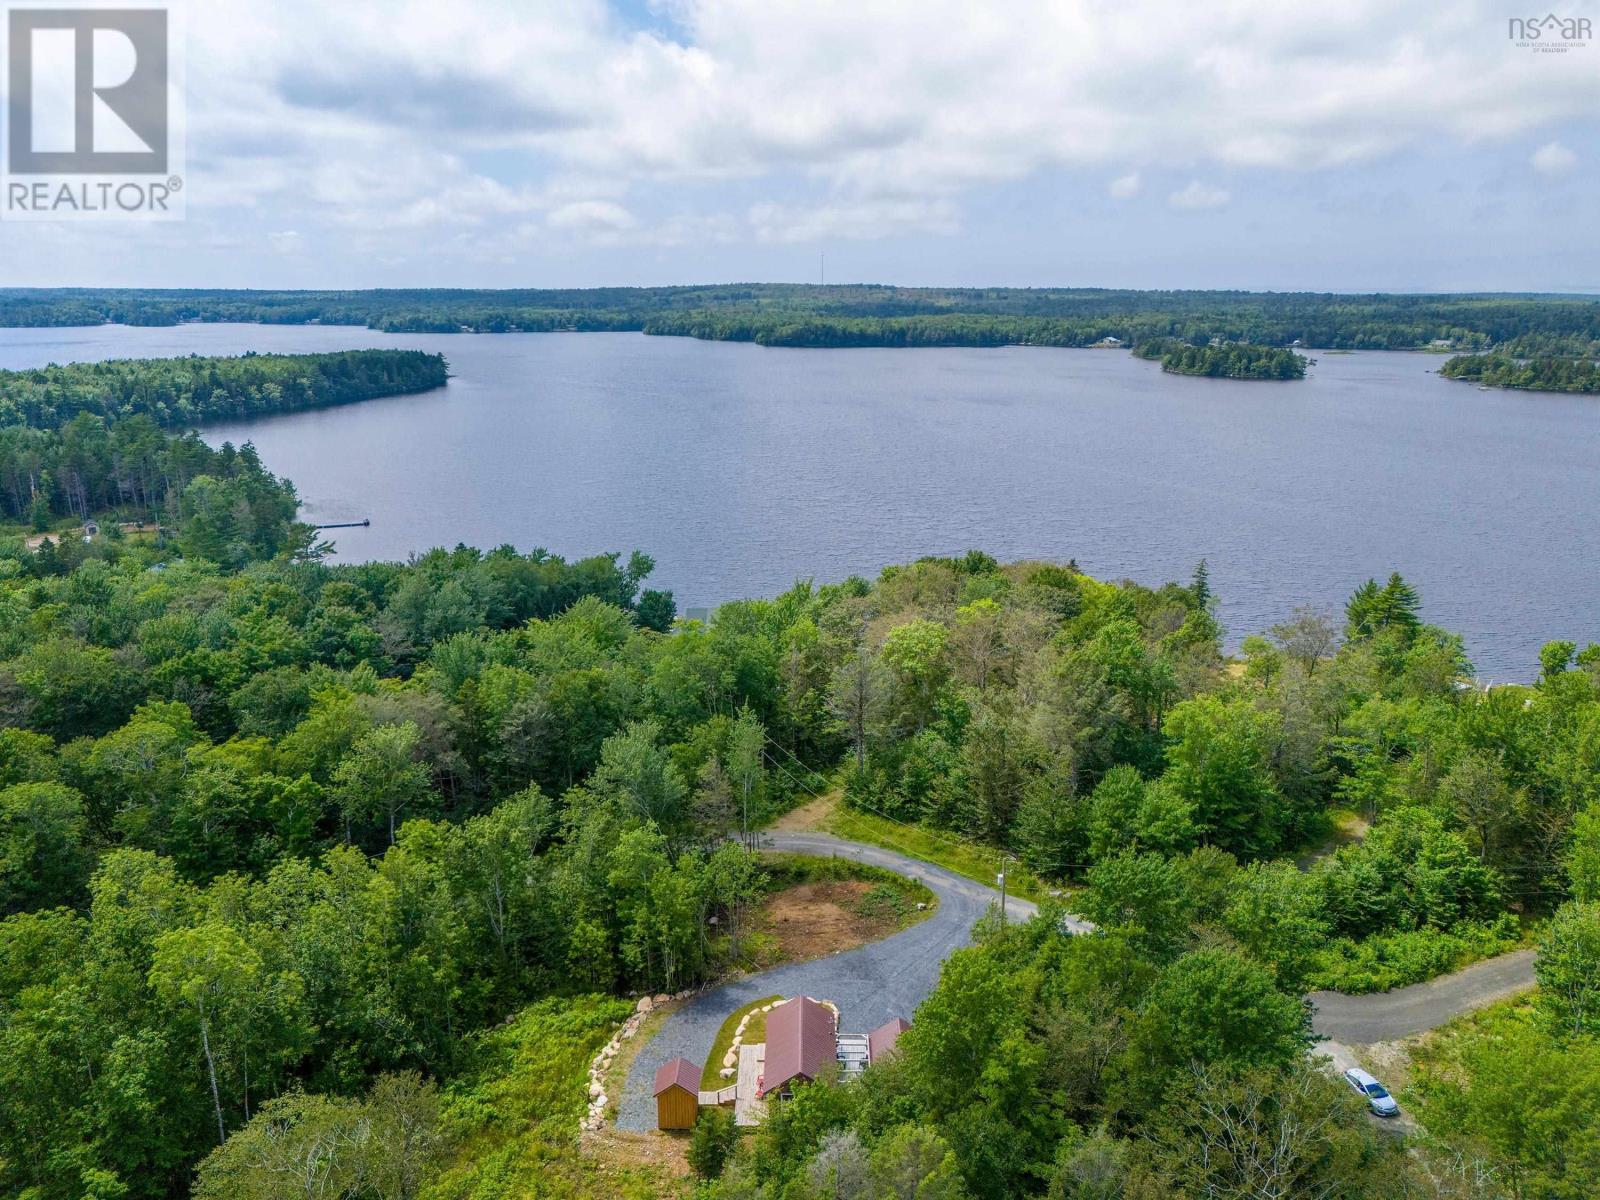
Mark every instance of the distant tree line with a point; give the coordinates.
(873, 315)
(1536, 375)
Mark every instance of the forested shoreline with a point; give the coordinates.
(357, 864)
(90, 438)
(282, 841)
(186, 391)
(871, 315)
(1534, 375)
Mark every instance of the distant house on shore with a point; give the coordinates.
(677, 1093)
(1108, 343)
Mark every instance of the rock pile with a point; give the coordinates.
(594, 1116)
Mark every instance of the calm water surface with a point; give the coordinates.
(742, 468)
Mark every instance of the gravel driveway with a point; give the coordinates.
(889, 978)
(1357, 1020)
(870, 984)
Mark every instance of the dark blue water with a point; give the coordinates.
(741, 468)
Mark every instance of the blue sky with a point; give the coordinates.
(1270, 145)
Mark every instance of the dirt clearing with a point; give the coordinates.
(813, 919)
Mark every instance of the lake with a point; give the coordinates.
(741, 469)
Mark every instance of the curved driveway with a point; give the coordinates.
(881, 980)
(871, 984)
(1382, 1016)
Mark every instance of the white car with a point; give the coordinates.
(1373, 1092)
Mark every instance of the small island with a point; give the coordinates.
(1531, 374)
(1224, 360)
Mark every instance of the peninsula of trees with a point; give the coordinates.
(92, 438)
(184, 392)
(1534, 375)
(871, 315)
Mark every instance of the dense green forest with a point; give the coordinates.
(872, 315)
(182, 392)
(1538, 374)
(352, 865)
(285, 844)
(90, 438)
(1237, 360)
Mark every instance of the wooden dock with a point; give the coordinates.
(749, 1112)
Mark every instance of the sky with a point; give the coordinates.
(1263, 144)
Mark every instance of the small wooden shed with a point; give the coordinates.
(677, 1094)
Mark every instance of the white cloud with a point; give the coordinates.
(1553, 158)
(867, 219)
(1198, 195)
(592, 216)
(509, 121)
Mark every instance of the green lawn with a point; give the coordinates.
(756, 1031)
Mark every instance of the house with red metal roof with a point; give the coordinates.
(800, 1043)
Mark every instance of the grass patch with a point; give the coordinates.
(978, 863)
(893, 891)
(710, 1075)
(814, 906)
(513, 1113)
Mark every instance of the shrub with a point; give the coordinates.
(712, 1142)
(1389, 960)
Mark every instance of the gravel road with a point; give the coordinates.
(1385, 1015)
(889, 978)
(870, 984)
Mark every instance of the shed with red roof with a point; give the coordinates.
(677, 1093)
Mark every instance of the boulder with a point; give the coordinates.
(728, 1072)
(663, 998)
(596, 1091)
(731, 1059)
(645, 1004)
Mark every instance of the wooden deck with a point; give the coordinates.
(747, 1110)
(719, 1097)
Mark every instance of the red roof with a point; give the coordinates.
(800, 1042)
(680, 1072)
(882, 1039)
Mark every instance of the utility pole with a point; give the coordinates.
(1001, 878)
